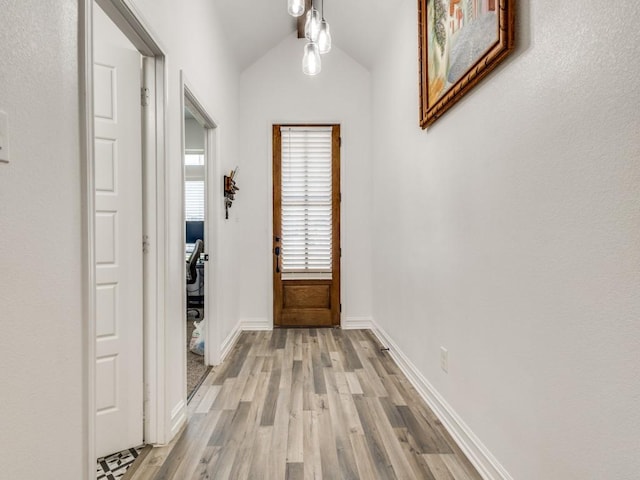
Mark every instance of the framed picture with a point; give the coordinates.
(460, 42)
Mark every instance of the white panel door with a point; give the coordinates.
(118, 184)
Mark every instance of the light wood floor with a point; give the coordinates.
(308, 404)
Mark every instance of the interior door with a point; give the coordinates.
(118, 220)
(306, 225)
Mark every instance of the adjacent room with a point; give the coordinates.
(319, 239)
(195, 220)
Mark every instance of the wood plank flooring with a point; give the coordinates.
(308, 404)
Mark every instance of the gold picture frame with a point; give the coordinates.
(460, 42)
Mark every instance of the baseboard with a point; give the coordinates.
(357, 323)
(178, 418)
(229, 342)
(255, 324)
(264, 324)
(247, 324)
(486, 464)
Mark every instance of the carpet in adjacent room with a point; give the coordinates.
(196, 369)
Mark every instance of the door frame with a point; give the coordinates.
(212, 273)
(155, 253)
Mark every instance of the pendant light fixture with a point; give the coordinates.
(311, 62)
(296, 8)
(312, 25)
(324, 37)
(317, 33)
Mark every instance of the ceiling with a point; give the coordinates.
(254, 27)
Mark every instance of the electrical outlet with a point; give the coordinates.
(444, 359)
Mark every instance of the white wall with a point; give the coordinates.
(512, 239)
(274, 90)
(192, 38)
(40, 276)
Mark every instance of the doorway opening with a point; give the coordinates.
(195, 246)
(200, 228)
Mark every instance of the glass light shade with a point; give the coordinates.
(296, 8)
(311, 63)
(312, 25)
(324, 38)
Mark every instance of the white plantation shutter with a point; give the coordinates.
(306, 199)
(194, 200)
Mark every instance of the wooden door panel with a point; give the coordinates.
(306, 303)
(300, 294)
(308, 317)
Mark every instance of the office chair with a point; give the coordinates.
(192, 271)
(193, 280)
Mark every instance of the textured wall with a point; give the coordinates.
(514, 239)
(40, 303)
(274, 90)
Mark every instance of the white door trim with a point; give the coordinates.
(128, 20)
(85, 87)
(212, 222)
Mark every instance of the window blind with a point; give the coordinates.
(194, 200)
(191, 158)
(306, 199)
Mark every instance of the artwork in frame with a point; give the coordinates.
(460, 42)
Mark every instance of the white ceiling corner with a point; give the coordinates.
(254, 27)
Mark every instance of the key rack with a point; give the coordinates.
(230, 189)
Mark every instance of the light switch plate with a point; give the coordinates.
(4, 138)
(444, 359)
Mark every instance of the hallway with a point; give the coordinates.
(496, 253)
(308, 403)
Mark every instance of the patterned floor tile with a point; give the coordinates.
(113, 467)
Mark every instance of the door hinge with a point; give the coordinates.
(340, 252)
(340, 308)
(144, 96)
(145, 244)
(340, 141)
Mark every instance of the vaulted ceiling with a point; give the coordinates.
(256, 26)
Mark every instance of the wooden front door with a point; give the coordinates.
(306, 225)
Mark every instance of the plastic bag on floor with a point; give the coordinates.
(196, 344)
